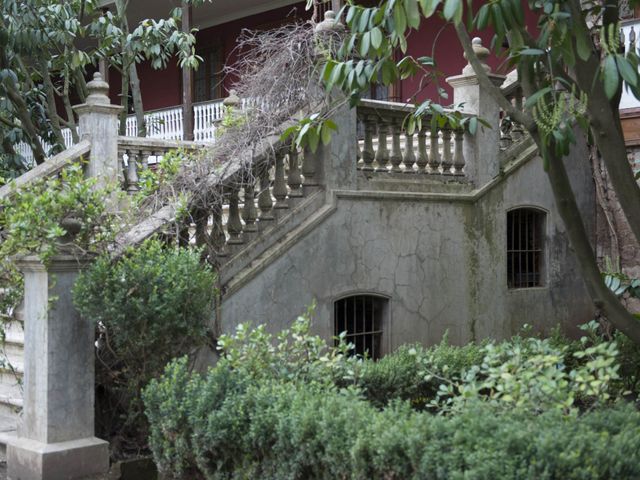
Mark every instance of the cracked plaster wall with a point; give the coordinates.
(441, 263)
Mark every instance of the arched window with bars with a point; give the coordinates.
(362, 318)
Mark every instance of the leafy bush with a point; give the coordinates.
(151, 305)
(290, 407)
(30, 223)
(225, 426)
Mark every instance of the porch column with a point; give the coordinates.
(56, 435)
(187, 81)
(481, 150)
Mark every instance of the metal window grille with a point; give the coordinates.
(361, 317)
(525, 245)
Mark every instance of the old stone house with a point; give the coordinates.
(397, 237)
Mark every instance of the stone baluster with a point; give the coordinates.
(265, 203)
(518, 131)
(144, 159)
(234, 224)
(280, 184)
(382, 155)
(249, 212)
(218, 238)
(309, 169)
(132, 172)
(447, 160)
(396, 152)
(122, 168)
(367, 148)
(505, 133)
(458, 152)
(294, 179)
(409, 156)
(632, 40)
(434, 154)
(200, 219)
(423, 158)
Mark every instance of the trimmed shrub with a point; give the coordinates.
(151, 305)
(275, 430)
(293, 408)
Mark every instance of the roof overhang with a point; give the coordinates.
(209, 14)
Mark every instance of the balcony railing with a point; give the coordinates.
(164, 124)
(630, 35)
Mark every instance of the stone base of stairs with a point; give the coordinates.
(8, 427)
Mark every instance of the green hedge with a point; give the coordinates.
(226, 425)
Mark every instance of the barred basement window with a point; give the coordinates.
(361, 317)
(525, 244)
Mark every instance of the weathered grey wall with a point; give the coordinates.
(441, 261)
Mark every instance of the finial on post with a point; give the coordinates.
(232, 100)
(98, 91)
(481, 52)
(329, 24)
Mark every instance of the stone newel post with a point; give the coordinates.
(56, 437)
(481, 150)
(98, 121)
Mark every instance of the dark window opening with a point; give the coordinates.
(207, 79)
(361, 317)
(525, 243)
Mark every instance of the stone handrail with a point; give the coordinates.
(51, 167)
(386, 146)
(255, 190)
(511, 132)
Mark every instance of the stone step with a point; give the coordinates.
(8, 427)
(14, 332)
(10, 401)
(12, 357)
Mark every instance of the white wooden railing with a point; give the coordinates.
(631, 35)
(164, 124)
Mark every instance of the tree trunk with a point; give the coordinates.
(125, 101)
(71, 119)
(52, 110)
(602, 296)
(136, 93)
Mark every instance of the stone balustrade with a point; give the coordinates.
(252, 201)
(511, 132)
(138, 153)
(386, 146)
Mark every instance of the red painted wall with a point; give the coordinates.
(162, 88)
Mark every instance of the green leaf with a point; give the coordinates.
(400, 19)
(365, 43)
(429, 7)
(531, 51)
(413, 13)
(376, 38)
(533, 99)
(626, 70)
(453, 10)
(483, 17)
(611, 79)
(325, 134)
(583, 46)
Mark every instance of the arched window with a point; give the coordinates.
(362, 318)
(525, 247)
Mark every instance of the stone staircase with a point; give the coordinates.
(11, 376)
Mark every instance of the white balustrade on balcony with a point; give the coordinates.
(630, 35)
(165, 124)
